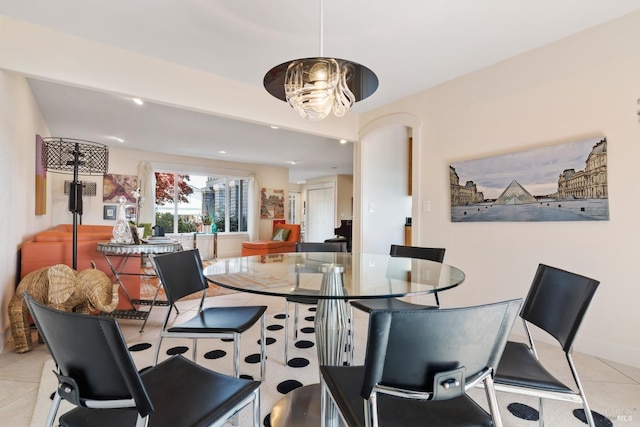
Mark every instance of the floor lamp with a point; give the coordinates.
(74, 156)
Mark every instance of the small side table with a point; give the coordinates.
(124, 252)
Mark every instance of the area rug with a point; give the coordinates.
(301, 370)
(150, 289)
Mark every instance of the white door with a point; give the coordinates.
(320, 214)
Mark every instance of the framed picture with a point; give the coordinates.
(115, 186)
(271, 204)
(41, 180)
(130, 213)
(562, 182)
(109, 212)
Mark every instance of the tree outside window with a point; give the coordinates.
(223, 200)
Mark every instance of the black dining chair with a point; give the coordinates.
(312, 299)
(370, 304)
(419, 366)
(430, 254)
(181, 275)
(556, 303)
(97, 375)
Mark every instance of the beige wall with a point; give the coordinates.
(585, 85)
(20, 121)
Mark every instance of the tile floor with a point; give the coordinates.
(613, 389)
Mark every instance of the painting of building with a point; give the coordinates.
(562, 182)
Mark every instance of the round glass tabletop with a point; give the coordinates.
(363, 275)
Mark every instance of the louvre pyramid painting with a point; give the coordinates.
(515, 194)
(561, 182)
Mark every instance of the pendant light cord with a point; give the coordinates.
(321, 25)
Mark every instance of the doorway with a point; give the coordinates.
(320, 213)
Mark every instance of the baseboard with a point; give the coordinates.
(614, 352)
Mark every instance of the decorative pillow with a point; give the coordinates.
(281, 234)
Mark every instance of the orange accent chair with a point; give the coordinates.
(263, 247)
(54, 246)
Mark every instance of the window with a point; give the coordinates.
(186, 203)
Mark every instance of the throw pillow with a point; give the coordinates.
(281, 234)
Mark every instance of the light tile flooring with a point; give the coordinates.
(613, 389)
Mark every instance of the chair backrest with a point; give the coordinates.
(90, 351)
(557, 302)
(181, 273)
(430, 254)
(408, 349)
(294, 231)
(321, 247)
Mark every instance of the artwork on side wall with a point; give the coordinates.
(109, 212)
(271, 203)
(41, 180)
(115, 186)
(562, 182)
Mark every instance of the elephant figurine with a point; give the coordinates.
(62, 288)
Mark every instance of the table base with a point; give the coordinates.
(299, 408)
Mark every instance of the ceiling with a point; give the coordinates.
(411, 45)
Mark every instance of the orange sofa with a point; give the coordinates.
(54, 246)
(263, 247)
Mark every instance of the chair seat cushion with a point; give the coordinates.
(183, 394)
(368, 305)
(221, 319)
(344, 383)
(519, 367)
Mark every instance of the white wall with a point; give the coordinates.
(20, 121)
(585, 85)
(385, 200)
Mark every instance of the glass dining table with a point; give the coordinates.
(333, 278)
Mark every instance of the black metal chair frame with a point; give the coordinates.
(419, 366)
(181, 274)
(556, 304)
(97, 374)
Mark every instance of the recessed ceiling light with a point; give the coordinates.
(343, 141)
(292, 162)
(222, 152)
(274, 127)
(138, 101)
(120, 140)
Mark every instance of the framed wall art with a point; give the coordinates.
(562, 182)
(271, 204)
(115, 186)
(41, 180)
(109, 212)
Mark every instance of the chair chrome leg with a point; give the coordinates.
(236, 355)
(55, 405)
(295, 321)
(256, 408)
(585, 404)
(263, 348)
(157, 353)
(494, 410)
(286, 333)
